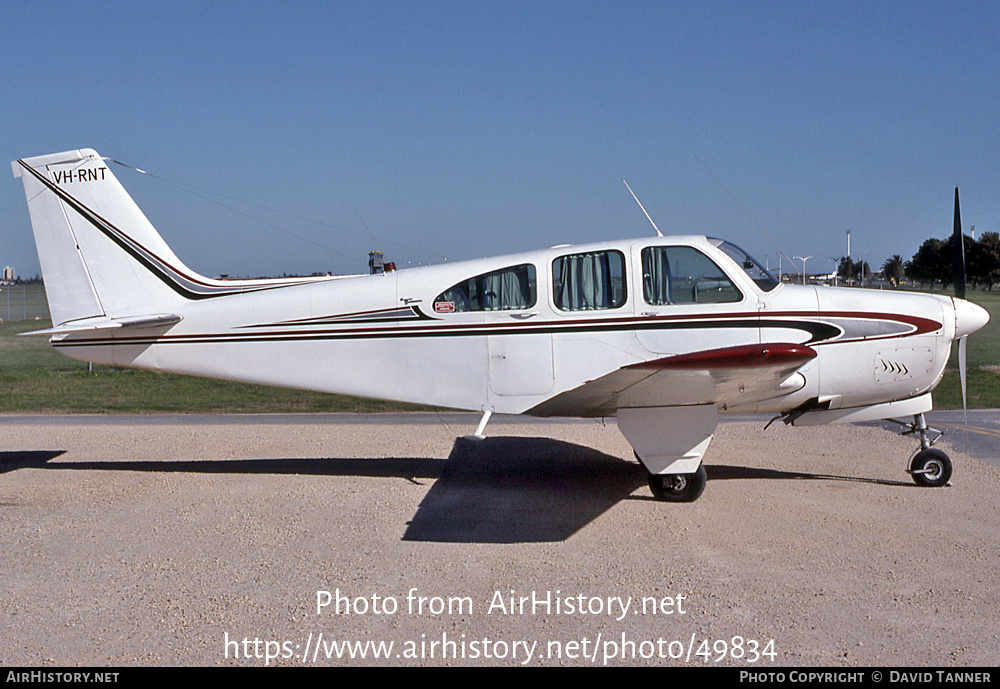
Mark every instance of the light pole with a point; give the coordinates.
(863, 253)
(836, 269)
(803, 267)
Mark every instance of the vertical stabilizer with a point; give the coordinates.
(99, 254)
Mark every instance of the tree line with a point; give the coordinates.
(933, 263)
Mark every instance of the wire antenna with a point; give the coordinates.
(369, 231)
(658, 233)
(203, 194)
(753, 219)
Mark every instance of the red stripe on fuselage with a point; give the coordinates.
(742, 356)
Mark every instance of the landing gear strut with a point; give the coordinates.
(929, 467)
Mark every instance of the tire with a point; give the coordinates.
(678, 487)
(931, 468)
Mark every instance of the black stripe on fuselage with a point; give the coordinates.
(818, 332)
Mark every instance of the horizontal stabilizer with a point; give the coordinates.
(93, 324)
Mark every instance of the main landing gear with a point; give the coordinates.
(669, 443)
(929, 467)
(678, 487)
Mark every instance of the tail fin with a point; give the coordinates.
(100, 256)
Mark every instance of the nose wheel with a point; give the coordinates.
(930, 467)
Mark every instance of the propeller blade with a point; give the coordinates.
(962, 358)
(958, 253)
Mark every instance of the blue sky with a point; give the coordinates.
(461, 129)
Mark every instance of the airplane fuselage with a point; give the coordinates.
(391, 335)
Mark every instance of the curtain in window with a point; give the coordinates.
(508, 289)
(585, 281)
(656, 276)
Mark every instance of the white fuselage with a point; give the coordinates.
(391, 336)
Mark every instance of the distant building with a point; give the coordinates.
(8, 274)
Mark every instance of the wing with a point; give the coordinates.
(750, 373)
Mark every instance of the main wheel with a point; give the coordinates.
(931, 468)
(678, 487)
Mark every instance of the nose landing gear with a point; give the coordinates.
(929, 467)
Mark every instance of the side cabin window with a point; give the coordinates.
(501, 290)
(590, 281)
(683, 275)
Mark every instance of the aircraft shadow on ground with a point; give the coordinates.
(409, 468)
(513, 490)
(722, 472)
(496, 490)
(518, 490)
(26, 459)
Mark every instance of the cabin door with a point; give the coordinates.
(520, 360)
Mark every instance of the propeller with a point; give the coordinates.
(969, 317)
(958, 253)
(962, 342)
(958, 266)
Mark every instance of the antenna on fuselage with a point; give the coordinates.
(753, 219)
(658, 233)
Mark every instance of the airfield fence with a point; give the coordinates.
(23, 302)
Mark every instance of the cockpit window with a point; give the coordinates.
(501, 290)
(589, 281)
(750, 266)
(683, 275)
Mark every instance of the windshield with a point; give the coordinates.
(750, 266)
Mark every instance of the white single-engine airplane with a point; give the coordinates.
(664, 333)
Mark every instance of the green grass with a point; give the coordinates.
(983, 362)
(37, 379)
(983, 390)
